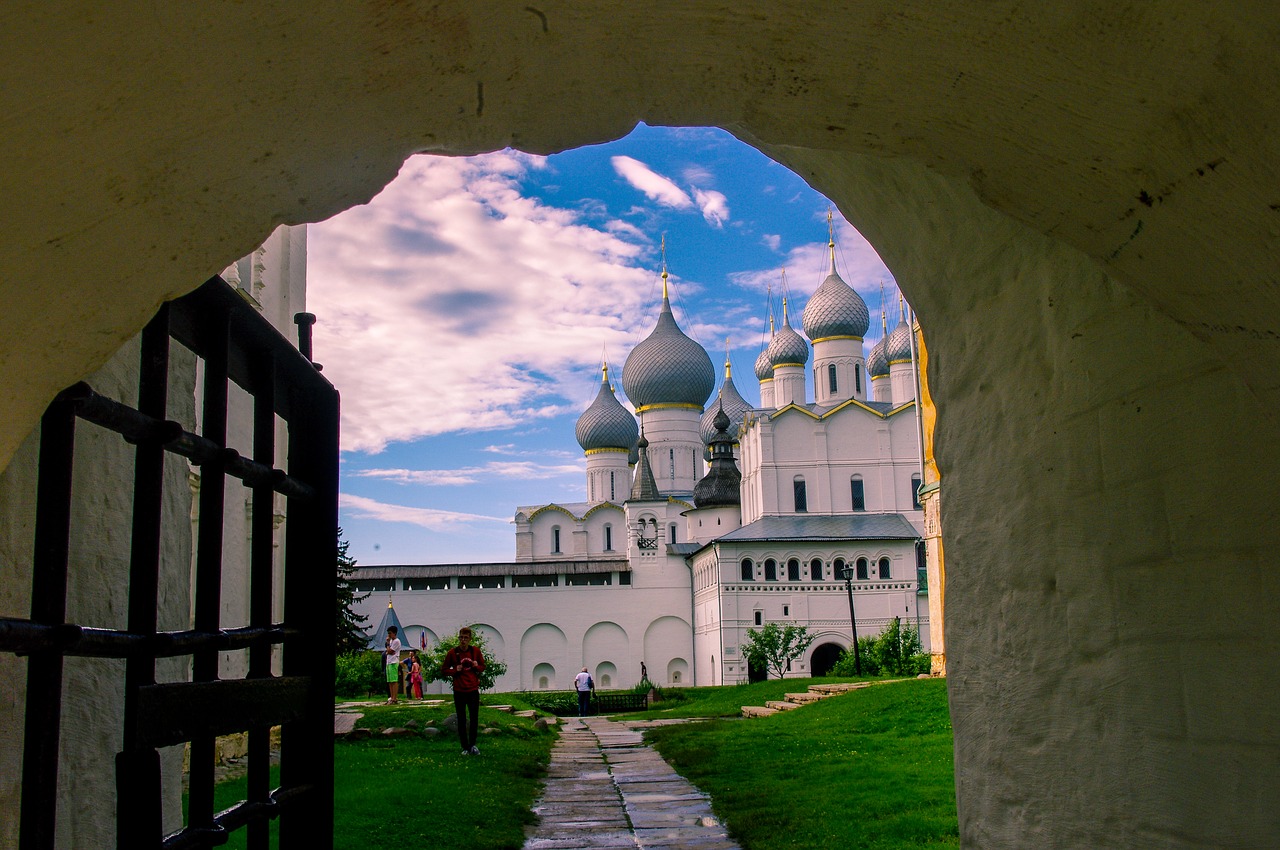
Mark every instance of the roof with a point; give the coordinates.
(860, 526)
(685, 549)
(378, 637)
(513, 568)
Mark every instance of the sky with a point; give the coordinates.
(464, 313)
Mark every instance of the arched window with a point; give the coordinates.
(863, 574)
(555, 539)
(815, 569)
(831, 377)
(859, 498)
(857, 378)
(759, 618)
(770, 570)
(793, 570)
(837, 568)
(608, 538)
(748, 570)
(885, 572)
(915, 492)
(802, 500)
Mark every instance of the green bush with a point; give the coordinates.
(359, 673)
(896, 651)
(560, 703)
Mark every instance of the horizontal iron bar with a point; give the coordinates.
(23, 637)
(137, 427)
(239, 815)
(174, 713)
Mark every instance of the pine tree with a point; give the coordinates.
(351, 635)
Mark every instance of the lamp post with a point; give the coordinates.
(847, 574)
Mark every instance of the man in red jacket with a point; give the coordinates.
(465, 663)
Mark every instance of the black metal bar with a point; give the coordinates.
(138, 427)
(24, 637)
(48, 607)
(261, 563)
(208, 573)
(184, 711)
(139, 815)
(311, 551)
(238, 815)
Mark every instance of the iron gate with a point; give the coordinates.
(235, 344)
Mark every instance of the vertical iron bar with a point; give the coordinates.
(208, 581)
(311, 555)
(139, 816)
(49, 607)
(261, 558)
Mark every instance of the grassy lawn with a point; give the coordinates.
(726, 700)
(872, 769)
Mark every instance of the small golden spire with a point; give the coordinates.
(831, 240)
(664, 267)
(884, 320)
(785, 321)
(727, 374)
(388, 600)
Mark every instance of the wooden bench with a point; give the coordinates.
(616, 703)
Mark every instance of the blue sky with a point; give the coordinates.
(463, 314)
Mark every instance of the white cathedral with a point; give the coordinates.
(676, 552)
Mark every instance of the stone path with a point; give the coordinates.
(606, 789)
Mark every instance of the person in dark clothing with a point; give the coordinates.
(464, 663)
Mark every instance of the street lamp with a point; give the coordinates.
(847, 574)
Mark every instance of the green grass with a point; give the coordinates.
(727, 700)
(872, 769)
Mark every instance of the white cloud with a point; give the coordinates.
(522, 470)
(358, 507)
(714, 206)
(808, 265)
(453, 302)
(772, 241)
(654, 185)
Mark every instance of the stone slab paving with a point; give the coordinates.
(605, 788)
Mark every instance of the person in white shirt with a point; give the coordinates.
(584, 686)
(392, 661)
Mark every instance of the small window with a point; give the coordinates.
(884, 569)
(831, 378)
(759, 618)
(793, 570)
(770, 570)
(863, 574)
(608, 538)
(786, 610)
(857, 378)
(671, 538)
(802, 501)
(613, 493)
(671, 455)
(915, 492)
(748, 570)
(837, 568)
(535, 581)
(815, 569)
(675, 677)
(859, 499)
(555, 540)
(624, 578)
(543, 683)
(605, 681)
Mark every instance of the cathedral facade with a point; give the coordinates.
(705, 516)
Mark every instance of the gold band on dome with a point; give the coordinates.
(766, 380)
(590, 452)
(669, 405)
(830, 338)
(896, 362)
(777, 366)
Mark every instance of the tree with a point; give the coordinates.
(774, 647)
(350, 635)
(432, 659)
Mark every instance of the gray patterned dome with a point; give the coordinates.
(788, 348)
(764, 369)
(667, 367)
(733, 405)
(898, 347)
(835, 310)
(877, 365)
(606, 424)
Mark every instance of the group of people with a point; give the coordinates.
(463, 665)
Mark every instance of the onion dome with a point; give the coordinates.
(764, 369)
(897, 347)
(606, 424)
(877, 365)
(787, 348)
(835, 309)
(722, 485)
(731, 402)
(668, 367)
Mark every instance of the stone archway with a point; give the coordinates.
(1078, 201)
(823, 658)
